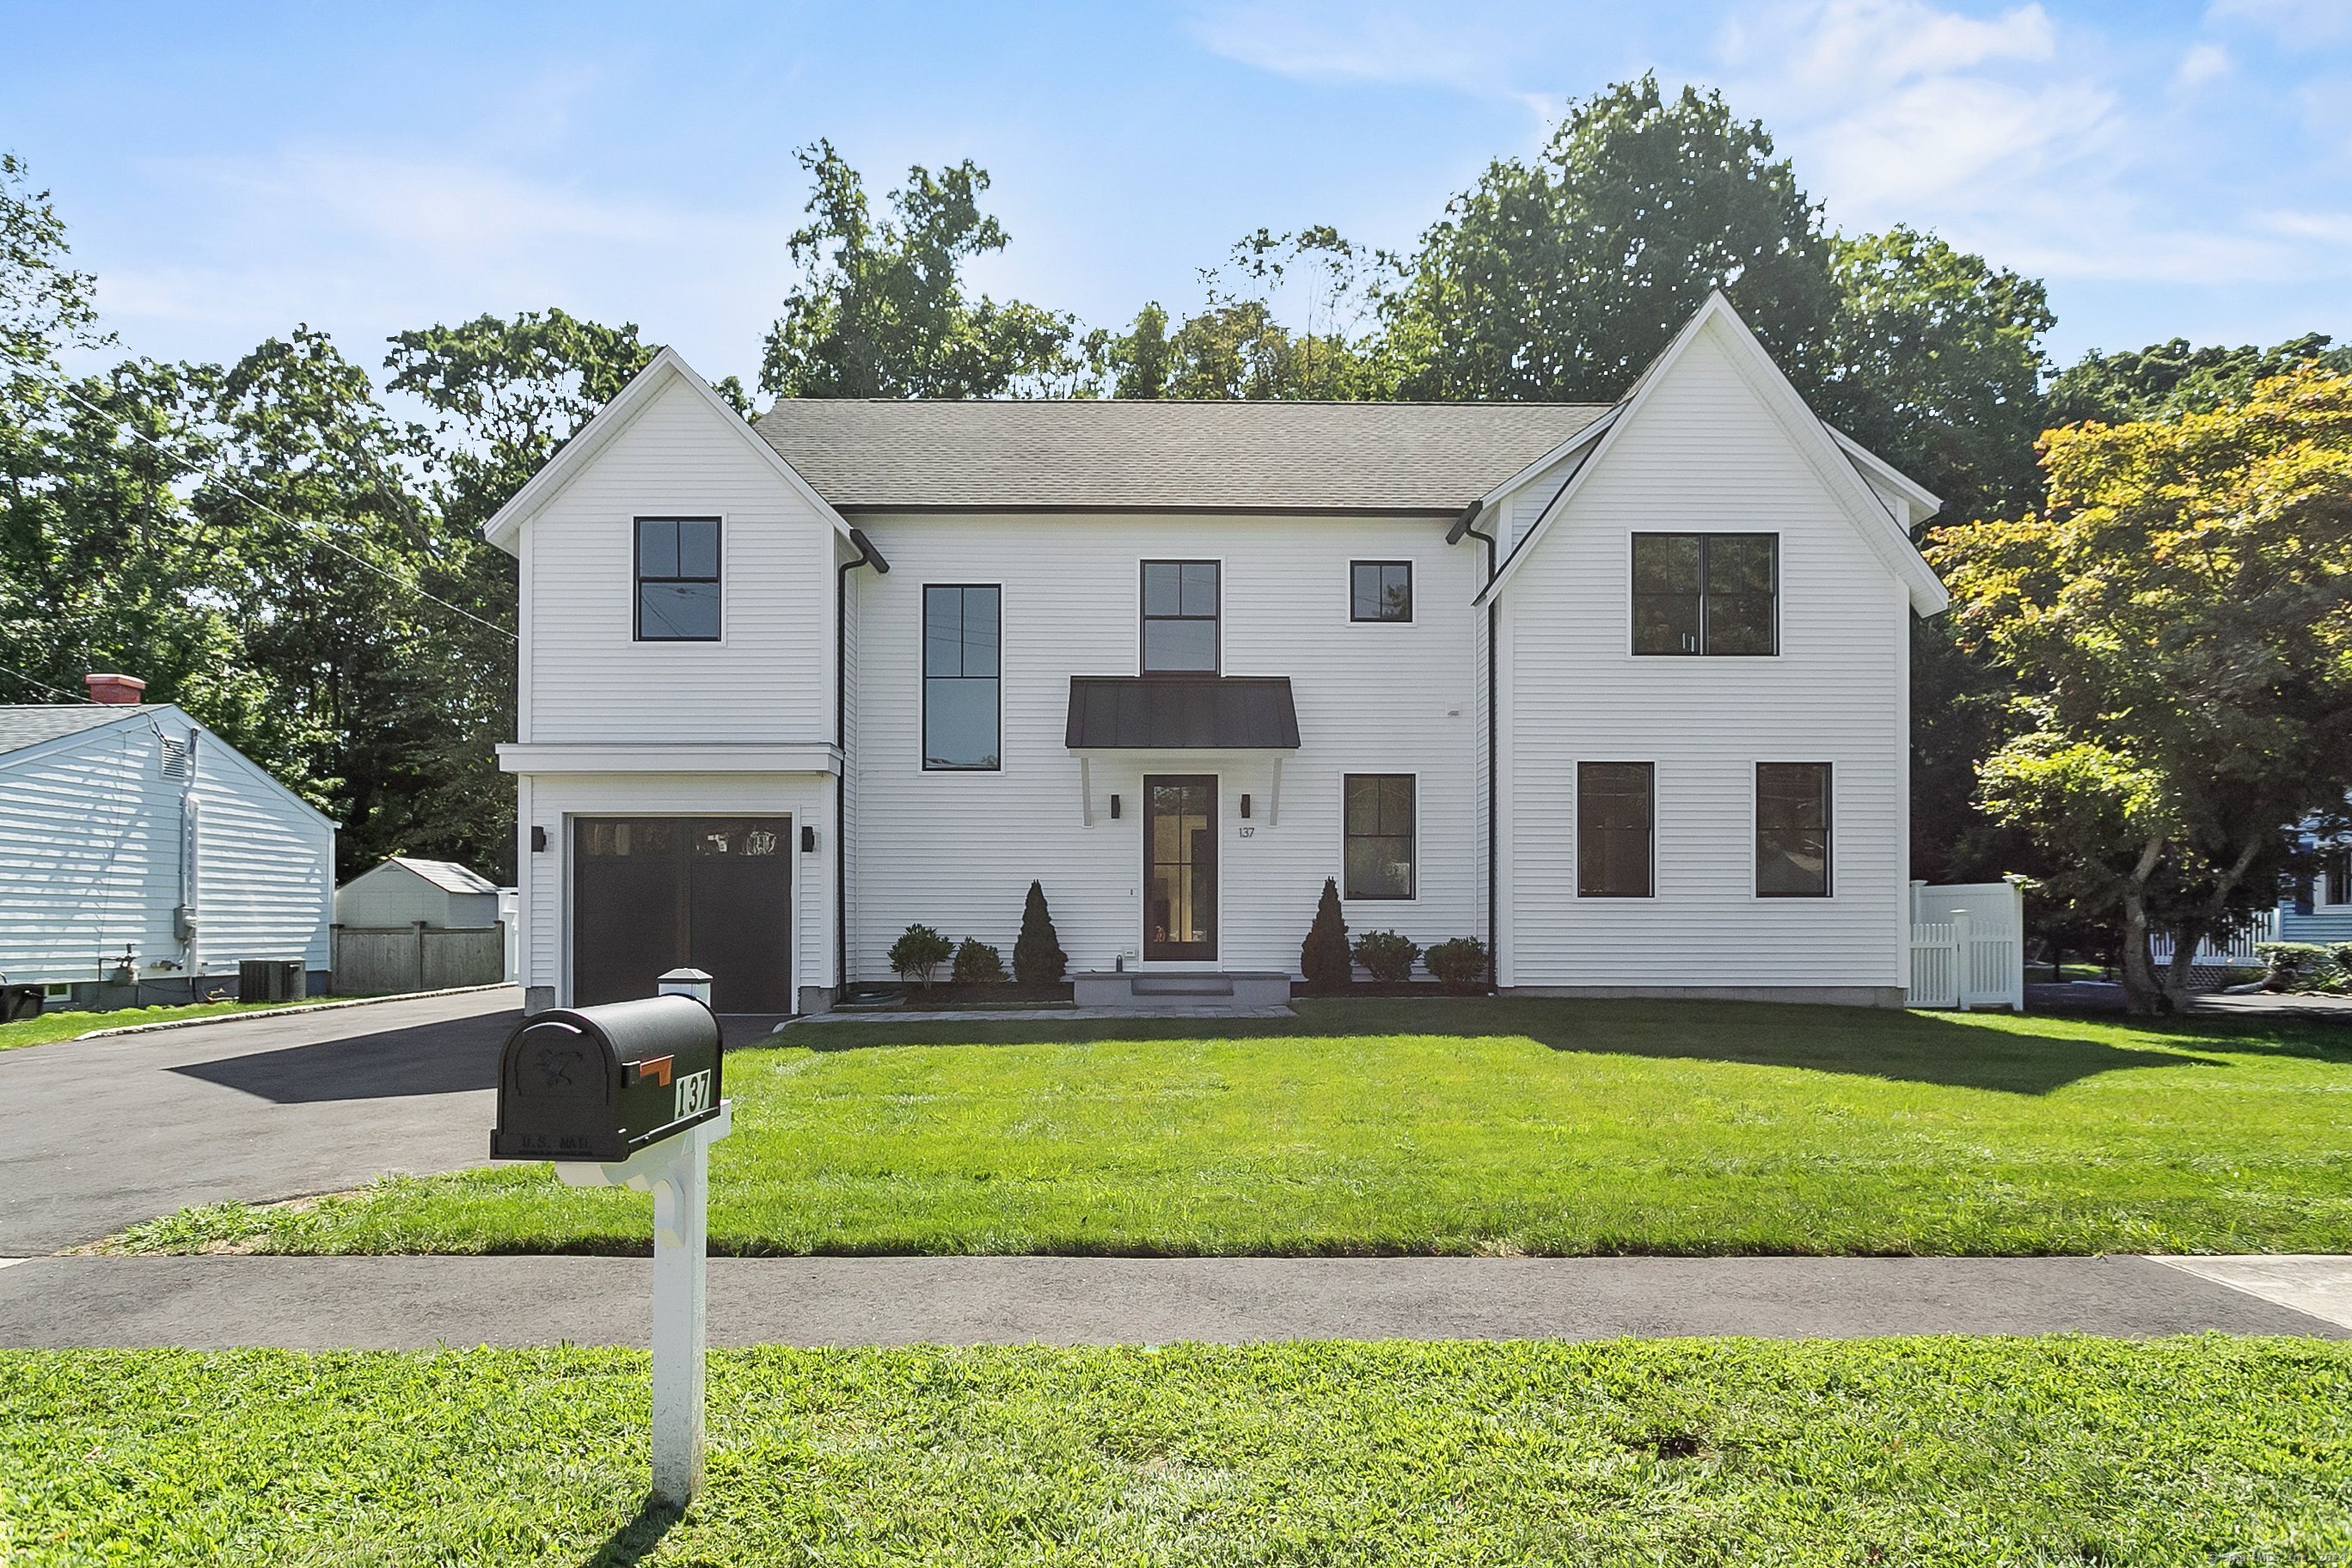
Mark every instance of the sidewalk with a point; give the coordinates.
(401, 1303)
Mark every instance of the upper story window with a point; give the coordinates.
(1707, 593)
(678, 579)
(1180, 618)
(1379, 591)
(1792, 830)
(963, 646)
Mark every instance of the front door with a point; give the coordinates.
(1179, 867)
(650, 894)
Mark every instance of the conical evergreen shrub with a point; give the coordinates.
(1037, 957)
(1324, 957)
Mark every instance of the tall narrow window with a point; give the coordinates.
(963, 665)
(678, 579)
(1613, 824)
(1792, 830)
(1180, 618)
(1379, 591)
(1378, 856)
(2336, 876)
(1713, 593)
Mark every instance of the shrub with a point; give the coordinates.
(1387, 956)
(1324, 957)
(919, 950)
(2296, 965)
(977, 963)
(1037, 957)
(1459, 965)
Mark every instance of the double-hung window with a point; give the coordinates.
(2336, 876)
(963, 637)
(1380, 590)
(1180, 618)
(1792, 830)
(1707, 593)
(1377, 857)
(1615, 817)
(678, 579)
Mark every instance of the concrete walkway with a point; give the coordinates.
(398, 1303)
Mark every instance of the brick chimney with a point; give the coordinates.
(114, 688)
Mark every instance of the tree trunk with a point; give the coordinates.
(2186, 941)
(2142, 995)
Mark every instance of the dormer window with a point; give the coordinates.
(678, 579)
(1180, 618)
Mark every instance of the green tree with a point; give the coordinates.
(2179, 617)
(1558, 279)
(883, 311)
(2171, 378)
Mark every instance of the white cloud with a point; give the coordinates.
(2202, 64)
(1483, 53)
(2291, 21)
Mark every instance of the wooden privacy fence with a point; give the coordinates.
(1974, 955)
(383, 961)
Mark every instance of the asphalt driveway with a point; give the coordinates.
(96, 1135)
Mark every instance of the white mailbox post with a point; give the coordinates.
(676, 1170)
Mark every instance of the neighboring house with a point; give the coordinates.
(2320, 910)
(1623, 689)
(408, 892)
(141, 858)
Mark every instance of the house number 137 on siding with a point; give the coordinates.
(693, 1094)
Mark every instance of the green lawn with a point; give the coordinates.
(1471, 1127)
(50, 1028)
(2208, 1451)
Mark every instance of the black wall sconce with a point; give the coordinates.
(808, 840)
(1245, 808)
(1114, 806)
(538, 840)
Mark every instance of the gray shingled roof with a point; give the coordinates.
(26, 724)
(865, 454)
(447, 875)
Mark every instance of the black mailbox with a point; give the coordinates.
(601, 1083)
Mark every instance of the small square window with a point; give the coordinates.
(1379, 591)
(1707, 593)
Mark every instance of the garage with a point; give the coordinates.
(650, 894)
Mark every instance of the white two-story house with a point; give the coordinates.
(1618, 691)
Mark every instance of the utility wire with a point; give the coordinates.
(44, 685)
(251, 499)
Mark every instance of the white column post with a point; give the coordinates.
(681, 1234)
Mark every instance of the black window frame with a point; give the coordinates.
(1584, 858)
(1354, 603)
(1634, 596)
(923, 656)
(1828, 830)
(1144, 617)
(1411, 837)
(638, 579)
(2335, 877)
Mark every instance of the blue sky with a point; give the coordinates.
(2178, 167)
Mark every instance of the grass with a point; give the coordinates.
(50, 1028)
(2204, 1451)
(1470, 1127)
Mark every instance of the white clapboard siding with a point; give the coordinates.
(91, 852)
(1704, 452)
(957, 850)
(770, 678)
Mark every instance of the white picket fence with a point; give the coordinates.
(1973, 955)
(2234, 948)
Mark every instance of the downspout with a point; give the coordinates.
(1494, 935)
(867, 556)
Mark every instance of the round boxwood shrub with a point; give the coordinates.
(1459, 965)
(977, 963)
(1387, 956)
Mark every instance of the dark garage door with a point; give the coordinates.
(650, 894)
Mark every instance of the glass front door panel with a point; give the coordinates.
(1179, 867)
